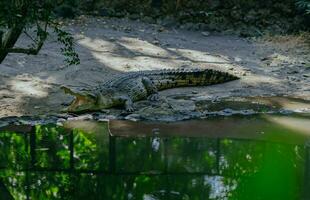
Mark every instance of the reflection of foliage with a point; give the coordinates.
(91, 149)
(85, 151)
(240, 158)
(185, 168)
(50, 185)
(304, 5)
(65, 38)
(13, 152)
(15, 183)
(131, 151)
(52, 147)
(280, 175)
(183, 156)
(18, 16)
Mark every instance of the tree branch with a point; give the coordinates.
(1, 34)
(32, 51)
(29, 36)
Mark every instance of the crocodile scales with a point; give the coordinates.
(134, 86)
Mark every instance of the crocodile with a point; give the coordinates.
(130, 87)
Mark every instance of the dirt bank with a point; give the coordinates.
(30, 84)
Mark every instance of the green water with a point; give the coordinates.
(263, 158)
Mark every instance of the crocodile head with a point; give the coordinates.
(84, 100)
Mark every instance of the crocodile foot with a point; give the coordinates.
(153, 97)
(129, 109)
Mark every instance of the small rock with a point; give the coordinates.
(106, 118)
(36, 107)
(162, 113)
(112, 39)
(194, 92)
(156, 42)
(293, 72)
(82, 117)
(274, 64)
(237, 59)
(205, 33)
(127, 29)
(243, 74)
(161, 29)
(264, 59)
(182, 105)
(133, 117)
(8, 97)
(106, 111)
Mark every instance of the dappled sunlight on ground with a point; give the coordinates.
(112, 46)
(29, 88)
(133, 54)
(143, 47)
(199, 56)
(93, 44)
(28, 95)
(257, 79)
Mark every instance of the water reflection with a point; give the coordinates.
(56, 162)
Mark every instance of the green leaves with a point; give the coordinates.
(304, 5)
(71, 57)
(30, 13)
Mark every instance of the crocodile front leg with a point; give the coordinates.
(129, 105)
(151, 89)
(127, 102)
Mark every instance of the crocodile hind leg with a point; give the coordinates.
(151, 89)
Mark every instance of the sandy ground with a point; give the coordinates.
(29, 85)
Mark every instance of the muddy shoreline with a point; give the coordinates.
(30, 85)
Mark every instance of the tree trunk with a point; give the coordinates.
(9, 39)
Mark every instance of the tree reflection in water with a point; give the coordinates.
(52, 162)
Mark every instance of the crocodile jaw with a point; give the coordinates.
(81, 104)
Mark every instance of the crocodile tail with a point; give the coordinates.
(186, 78)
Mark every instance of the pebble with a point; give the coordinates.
(293, 72)
(237, 59)
(7, 97)
(156, 42)
(161, 29)
(133, 117)
(205, 33)
(82, 117)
